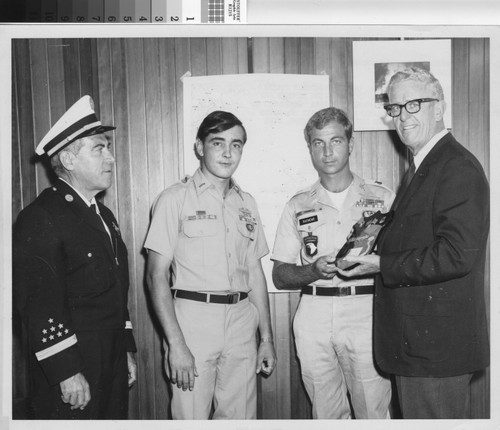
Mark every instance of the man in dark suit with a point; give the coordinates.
(70, 276)
(430, 328)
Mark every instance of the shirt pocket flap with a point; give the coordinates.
(199, 227)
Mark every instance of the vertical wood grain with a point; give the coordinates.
(24, 109)
(323, 66)
(228, 50)
(17, 190)
(292, 55)
(41, 98)
(478, 101)
(307, 54)
(156, 122)
(138, 211)
(72, 68)
(87, 71)
(477, 142)
(260, 55)
(169, 101)
(182, 66)
(339, 88)
(214, 56)
(276, 55)
(106, 112)
(460, 89)
(243, 55)
(198, 56)
(20, 383)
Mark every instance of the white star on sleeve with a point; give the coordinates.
(44, 340)
(66, 331)
(52, 328)
(51, 320)
(51, 337)
(44, 331)
(60, 326)
(59, 334)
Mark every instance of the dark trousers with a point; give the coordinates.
(105, 357)
(434, 398)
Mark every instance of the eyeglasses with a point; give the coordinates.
(412, 106)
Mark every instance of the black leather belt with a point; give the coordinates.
(338, 291)
(226, 299)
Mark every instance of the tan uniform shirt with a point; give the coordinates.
(211, 240)
(311, 226)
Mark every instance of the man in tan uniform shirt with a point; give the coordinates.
(207, 232)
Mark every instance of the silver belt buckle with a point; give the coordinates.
(344, 291)
(233, 298)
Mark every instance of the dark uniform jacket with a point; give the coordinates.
(429, 315)
(69, 277)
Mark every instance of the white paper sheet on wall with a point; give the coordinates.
(274, 108)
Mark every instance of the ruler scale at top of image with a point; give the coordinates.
(135, 11)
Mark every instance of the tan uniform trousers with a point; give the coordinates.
(334, 344)
(222, 340)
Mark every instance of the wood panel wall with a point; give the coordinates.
(136, 84)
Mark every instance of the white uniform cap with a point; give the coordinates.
(78, 121)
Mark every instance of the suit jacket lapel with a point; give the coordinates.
(403, 196)
(401, 192)
(80, 208)
(112, 226)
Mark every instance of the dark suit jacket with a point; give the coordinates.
(429, 314)
(68, 277)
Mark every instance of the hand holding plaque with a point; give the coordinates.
(362, 238)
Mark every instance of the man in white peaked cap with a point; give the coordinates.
(70, 277)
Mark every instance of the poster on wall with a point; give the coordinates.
(374, 62)
(274, 108)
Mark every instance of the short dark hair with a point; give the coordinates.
(325, 116)
(217, 122)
